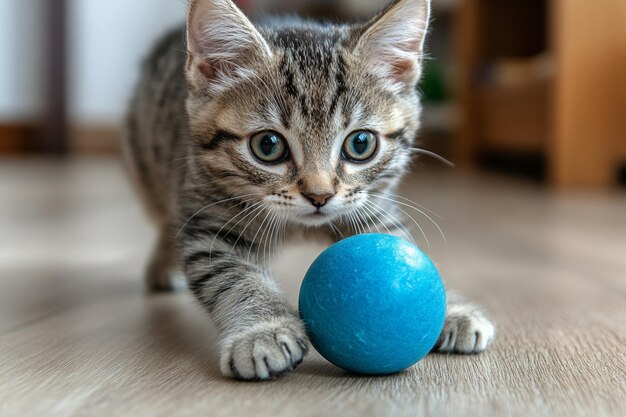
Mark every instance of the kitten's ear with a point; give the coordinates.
(223, 45)
(393, 42)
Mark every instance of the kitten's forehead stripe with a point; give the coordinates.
(313, 69)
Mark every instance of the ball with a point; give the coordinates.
(373, 304)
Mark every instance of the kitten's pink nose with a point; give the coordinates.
(318, 200)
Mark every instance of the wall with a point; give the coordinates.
(108, 40)
(21, 61)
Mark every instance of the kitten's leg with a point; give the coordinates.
(467, 328)
(163, 272)
(262, 337)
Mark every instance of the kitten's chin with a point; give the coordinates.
(315, 219)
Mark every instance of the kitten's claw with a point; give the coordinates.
(466, 330)
(265, 351)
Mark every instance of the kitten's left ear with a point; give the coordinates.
(393, 43)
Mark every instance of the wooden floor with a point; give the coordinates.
(78, 336)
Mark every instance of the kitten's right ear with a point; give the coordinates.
(223, 45)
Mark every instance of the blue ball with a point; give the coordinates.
(373, 304)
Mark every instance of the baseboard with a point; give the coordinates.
(95, 139)
(17, 138)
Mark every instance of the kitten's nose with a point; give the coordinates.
(318, 200)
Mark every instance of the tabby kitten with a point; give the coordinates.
(244, 130)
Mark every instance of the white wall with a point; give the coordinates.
(108, 40)
(21, 60)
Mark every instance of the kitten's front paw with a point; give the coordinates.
(466, 330)
(264, 351)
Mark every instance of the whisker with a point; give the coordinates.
(180, 159)
(369, 214)
(353, 223)
(376, 214)
(359, 224)
(336, 229)
(247, 209)
(409, 201)
(433, 155)
(259, 210)
(398, 223)
(208, 206)
(267, 245)
(358, 220)
(259, 228)
(362, 216)
(284, 227)
(420, 211)
(280, 218)
(401, 226)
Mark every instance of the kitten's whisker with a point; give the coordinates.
(180, 159)
(262, 230)
(284, 227)
(393, 219)
(377, 219)
(259, 211)
(209, 206)
(336, 229)
(432, 155)
(398, 223)
(362, 216)
(267, 246)
(247, 209)
(358, 219)
(418, 210)
(263, 240)
(353, 224)
(280, 218)
(394, 196)
(358, 223)
(259, 228)
(371, 221)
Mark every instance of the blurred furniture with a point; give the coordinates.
(544, 79)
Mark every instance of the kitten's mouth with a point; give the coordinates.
(316, 218)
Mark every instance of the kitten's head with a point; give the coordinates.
(309, 118)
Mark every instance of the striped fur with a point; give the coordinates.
(204, 92)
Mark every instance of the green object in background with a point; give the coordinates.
(433, 85)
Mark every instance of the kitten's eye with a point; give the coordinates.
(269, 147)
(360, 146)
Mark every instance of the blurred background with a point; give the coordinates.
(532, 88)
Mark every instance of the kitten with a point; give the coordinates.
(244, 130)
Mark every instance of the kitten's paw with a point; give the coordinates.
(466, 330)
(265, 351)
